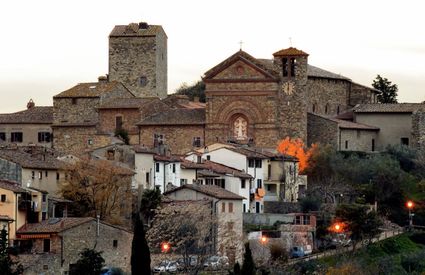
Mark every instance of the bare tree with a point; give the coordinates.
(99, 188)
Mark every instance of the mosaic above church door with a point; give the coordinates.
(240, 126)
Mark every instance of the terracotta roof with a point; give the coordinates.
(176, 117)
(215, 167)
(389, 108)
(95, 89)
(12, 186)
(344, 124)
(126, 103)
(349, 115)
(5, 218)
(210, 190)
(133, 29)
(313, 71)
(31, 160)
(241, 55)
(53, 225)
(33, 115)
(82, 124)
(172, 158)
(291, 51)
(252, 152)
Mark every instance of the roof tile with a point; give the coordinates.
(210, 190)
(389, 108)
(33, 115)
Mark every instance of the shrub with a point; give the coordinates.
(278, 253)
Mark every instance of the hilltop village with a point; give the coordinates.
(128, 131)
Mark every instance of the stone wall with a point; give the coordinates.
(77, 140)
(322, 130)
(107, 120)
(280, 207)
(73, 242)
(360, 94)
(329, 96)
(134, 57)
(178, 138)
(418, 130)
(84, 111)
(10, 171)
(266, 218)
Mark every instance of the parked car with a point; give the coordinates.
(300, 251)
(216, 263)
(111, 271)
(166, 266)
(191, 262)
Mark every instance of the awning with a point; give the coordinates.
(33, 236)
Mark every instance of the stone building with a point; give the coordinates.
(138, 58)
(54, 245)
(75, 116)
(227, 208)
(28, 127)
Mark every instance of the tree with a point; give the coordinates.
(97, 187)
(151, 199)
(7, 265)
(361, 223)
(248, 266)
(140, 253)
(90, 263)
(388, 91)
(195, 90)
(295, 148)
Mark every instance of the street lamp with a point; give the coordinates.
(410, 205)
(264, 240)
(165, 247)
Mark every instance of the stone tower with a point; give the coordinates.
(138, 58)
(292, 95)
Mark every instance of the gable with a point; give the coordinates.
(241, 70)
(240, 67)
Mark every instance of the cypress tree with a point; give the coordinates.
(140, 254)
(248, 266)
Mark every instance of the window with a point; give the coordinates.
(199, 159)
(230, 207)
(46, 174)
(46, 245)
(314, 108)
(285, 66)
(346, 144)
(269, 171)
(157, 167)
(269, 187)
(2, 136)
(90, 141)
(293, 66)
(208, 157)
(373, 145)
(326, 108)
(16, 137)
(405, 141)
(259, 183)
(118, 122)
(244, 208)
(196, 142)
(115, 243)
(32, 175)
(297, 219)
(44, 197)
(40, 175)
(44, 137)
(3, 197)
(158, 140)
(174, 167)
(74, 101)
(223, 207)
(243, 185)
(57, 176)
(251, 163)
(306, 219)
(337, 110)
(220, 182)
(143, 81)
(110, 154)
(43, 216)
(147, 177)
(183, 181)
(258, 163)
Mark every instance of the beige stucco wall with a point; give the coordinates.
(358, 140)
(10, 209)
(393, 127)
(49, 183)
(29, 133)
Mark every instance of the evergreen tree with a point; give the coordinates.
(195, 90)
(7, 265)
(151, 198)
(388, 91)
(248, 266)
(140, 254)
(90, 263)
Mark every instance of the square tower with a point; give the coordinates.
(138, 58)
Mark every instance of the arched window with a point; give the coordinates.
(314, 108)
(337, 110)
(240, 128)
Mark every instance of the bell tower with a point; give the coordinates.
(292, 96)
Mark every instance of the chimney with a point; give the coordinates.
(103, 79)
(143, 25)
(30, 104)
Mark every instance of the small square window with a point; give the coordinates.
(115, 243)
(46, 245)
(3, 198)
(243, 184)
(3, 136)
(230, 207)
(74, 101)
(16, 137)
(223, 207)
(90, 142)
(143, 81)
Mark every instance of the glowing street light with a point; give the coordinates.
(410, 205)
(337, 227)
(165, 247)
(264, 239)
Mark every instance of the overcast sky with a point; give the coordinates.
(48, 46)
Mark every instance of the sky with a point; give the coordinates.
(48, 46)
